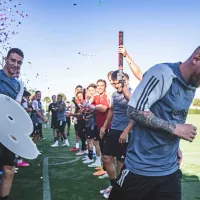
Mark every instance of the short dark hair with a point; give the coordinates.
(17, 51)
(126, 75)
(92, 85)
(197, 49)
(26, 93)
(79, 86)
(101, 80)
(114, 75)
(59, 95)
(37, 92)
(109, 73)
(79, 93)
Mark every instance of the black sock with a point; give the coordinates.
(55, 138)
(4, 198)
(90, 154)
(112, 181)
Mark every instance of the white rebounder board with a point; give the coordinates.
(15, 128)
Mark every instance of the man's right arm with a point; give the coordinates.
(154, 85)
(147, 118)
(151, 89)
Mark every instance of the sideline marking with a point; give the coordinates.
(61, 163)
(46, 185)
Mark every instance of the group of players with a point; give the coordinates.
(139, 129)
(101, 122)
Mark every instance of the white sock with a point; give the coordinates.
(94, 150)
(19, 161)
(98, 159)
(77, 145)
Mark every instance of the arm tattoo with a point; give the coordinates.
(147, 118)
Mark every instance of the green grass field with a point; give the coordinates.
(58, 174)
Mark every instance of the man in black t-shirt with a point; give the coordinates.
(68, 116)
(53, 109)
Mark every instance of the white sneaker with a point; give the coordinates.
(86, 151)
(95, 164)
(106, 195)
(88, 161)
(104, 176)
(106, 190)
(66, 143)
(85, 158)
(55, 144)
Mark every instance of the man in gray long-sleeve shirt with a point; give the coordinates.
(159, 106)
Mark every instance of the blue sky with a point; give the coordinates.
(55, 31)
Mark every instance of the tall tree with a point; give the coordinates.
(32, 91)
(47, 100)
(196, 102)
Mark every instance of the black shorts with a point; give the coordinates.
(80, 127)
(53, 123)
(7, 157)
(68, 121)
(92, 133)
(131, 186)
(112, 147)
(37, 128)
(61, 126)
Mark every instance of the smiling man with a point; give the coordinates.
(9, 86)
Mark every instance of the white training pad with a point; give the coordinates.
(15, 128)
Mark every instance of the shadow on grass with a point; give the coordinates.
(190, 187)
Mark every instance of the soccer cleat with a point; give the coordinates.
(104, 176)
(95, 164)
(22, 164)
(74, 149)
(99, 173)
(88, 161)
(55, 144)
(80, 153)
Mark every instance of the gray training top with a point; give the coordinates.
(119, 104)
(164, 92)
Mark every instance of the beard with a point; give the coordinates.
(195, 80)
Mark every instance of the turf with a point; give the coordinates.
(74, 180)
